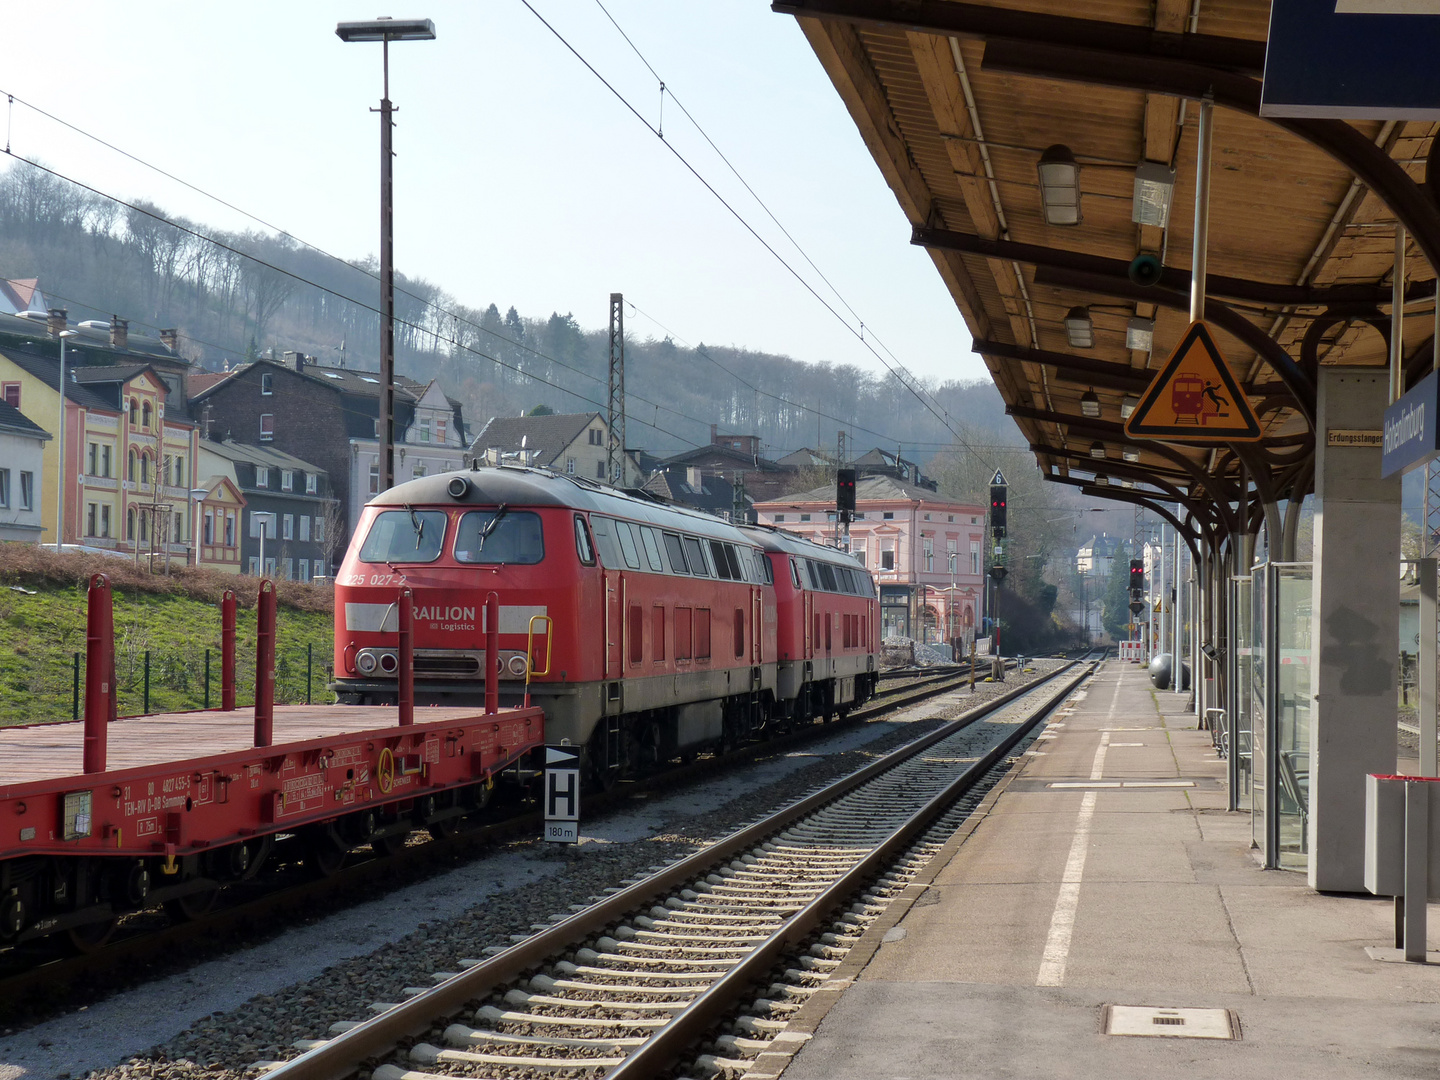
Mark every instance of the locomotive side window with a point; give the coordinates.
(603, 529)
(734, 560)
(827, 577)
(695, 556)
(516, 537)
(813, 573)
(582, 542)
(676, 552)
(722, 566)
(795, 572)
(652, 549)
(762, 568)
(627, 544)
(405, 536)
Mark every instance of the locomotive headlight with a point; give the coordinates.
(458, 487)
(366, 662)
(389, 662)
(517, 666)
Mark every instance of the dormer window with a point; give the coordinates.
(287, 479)
(262, 477)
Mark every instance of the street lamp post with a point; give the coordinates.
(266, 517)
(386, 30)
(198, 494)
(60, 469)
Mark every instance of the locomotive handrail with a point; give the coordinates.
(530, 650)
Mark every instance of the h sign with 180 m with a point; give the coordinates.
(562, 794)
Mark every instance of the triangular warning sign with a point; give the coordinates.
(998, 480)
(1195, 398)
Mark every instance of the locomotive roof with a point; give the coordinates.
(519, 486)
(773, 539)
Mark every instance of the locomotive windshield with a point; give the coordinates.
(405, 536)
(515, 538)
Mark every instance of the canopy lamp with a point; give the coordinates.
(1129, 453)
(1059, 186)
(1140, 334)
(1101, 480)
(1097, 450)
(1079, 328)
(1090, 405)
(1154, 190)
(1128, 404)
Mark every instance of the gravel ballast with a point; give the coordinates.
(218, 1017)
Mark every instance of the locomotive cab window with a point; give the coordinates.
(583, 547)
(603, 529)
(405, 536)
(652, 549)
(513, 537)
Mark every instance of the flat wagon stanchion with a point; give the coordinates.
(164, 806)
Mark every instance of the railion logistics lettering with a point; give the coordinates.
(445, 614)
(1408, 425)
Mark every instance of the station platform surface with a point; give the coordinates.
(1055, 903)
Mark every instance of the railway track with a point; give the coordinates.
(641, 980)
(45, 976)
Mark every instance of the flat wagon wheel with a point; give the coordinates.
(91, 937)
(192, 906)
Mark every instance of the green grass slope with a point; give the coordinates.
(174, 619)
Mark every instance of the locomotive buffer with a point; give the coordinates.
(562, 794)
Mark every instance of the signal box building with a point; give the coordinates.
(925, 551)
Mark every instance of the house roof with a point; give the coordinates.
(203, 380)
(260, 455)
(48, 372)
(20, 291)
(545, 436)
(867, 489)
(109, 374)
(714, 494)
(803, 458)
(713, 451)
(12, 419)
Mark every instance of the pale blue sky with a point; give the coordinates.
(519, 178)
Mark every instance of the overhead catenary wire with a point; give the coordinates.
(425, 303)
(806, 285)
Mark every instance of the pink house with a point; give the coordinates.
(925, 551)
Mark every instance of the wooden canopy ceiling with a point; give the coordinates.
(957, 101)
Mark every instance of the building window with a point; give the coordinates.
(440, 429)
(425, 429)
(93, 461)
(267, 384)
(928, 546)
(600, 470)
(12, 394)
(27, 491)
(104, 520)
(887, 554)
(288, 527)
(4, 489)
(134, 411)
(144, 469)
(209, 526)
(304, 527)
(779, 518)
(229, 528)
(130, 524)
(952, 517)
(262, 477)
(375, 477)
(804, 517)
(287, 479)
(254, 566)
(570, 466)
(858, 547)
(418, 470)
(289, 569)
(130, 466)
(319, 530)
(179, 472)
(267, 427)
(974, 556)
(90, 516)
(310, 486)
(304, 570)
(860, 515)
(105, 461)
(145, 416)
(888, 515)
(951, 560)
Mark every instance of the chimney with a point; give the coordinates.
(55, 321)
(119, 332)
(171, 339)
(714, 430)
(294, 359)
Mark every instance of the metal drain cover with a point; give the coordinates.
(1153, 1021)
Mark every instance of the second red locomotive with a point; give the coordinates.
(644, 630)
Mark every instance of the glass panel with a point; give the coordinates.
(1259, 604)
(1292, 702)
(402, 536)
(515, 538)
(1244, 710)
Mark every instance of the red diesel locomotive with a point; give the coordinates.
(645, 631)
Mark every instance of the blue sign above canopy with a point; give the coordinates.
(1353, 59)
(1412, 426)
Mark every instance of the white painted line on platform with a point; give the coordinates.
(1062, 919)
(1086, 785)
(1159, 783)
(1115, 744)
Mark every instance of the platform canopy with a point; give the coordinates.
(995, 124)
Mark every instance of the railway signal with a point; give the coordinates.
(1137, 576)
(998, 498)
(845, 494)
